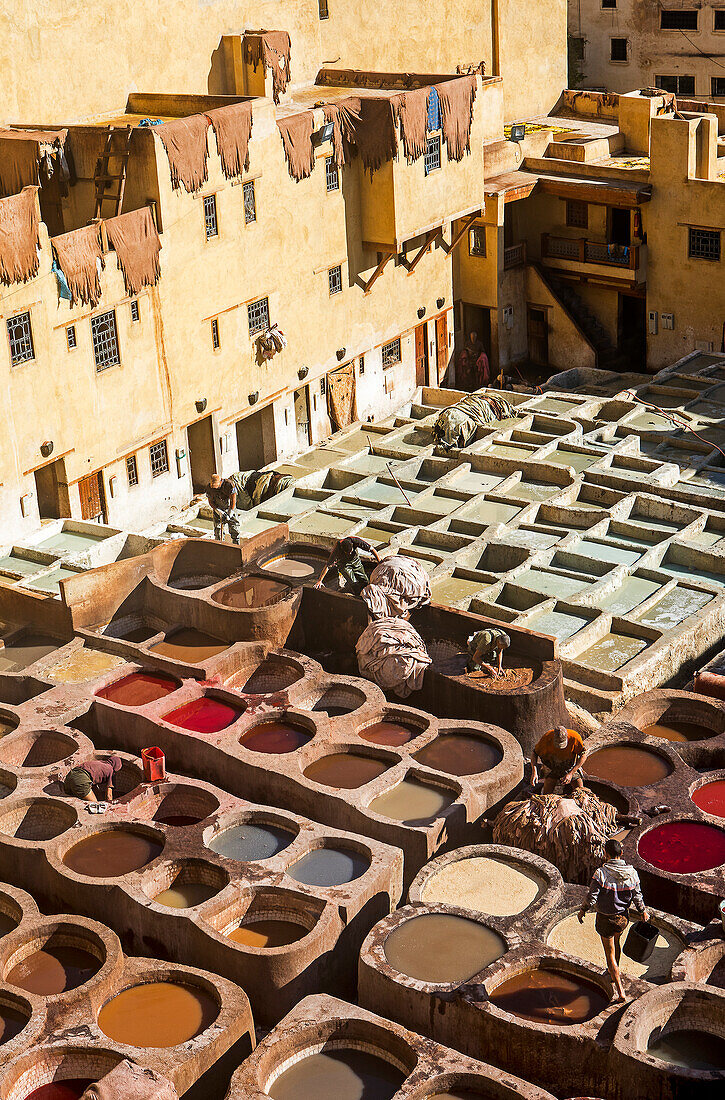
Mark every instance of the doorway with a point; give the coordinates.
(51, 487)
(620, 230)
(538, 335)
(441, 348)
(256, 441)
(421, 355)
(302, 417)
(202, 459)
(477, 319)
(632, 330)
(93, 497)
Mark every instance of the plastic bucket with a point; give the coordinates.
(154, 764)
(640, 941)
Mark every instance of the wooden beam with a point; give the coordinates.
(461, 232)
(429, 239)
(368, 286)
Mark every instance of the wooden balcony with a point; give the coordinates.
(589, 252)
(514, 256)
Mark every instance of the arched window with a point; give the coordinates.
(434, 110)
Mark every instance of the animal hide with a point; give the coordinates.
(78, 254)
(232, 127)
(137, 243)
(19, 239)
(296, 131)
(185, 143)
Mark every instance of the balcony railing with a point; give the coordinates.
(589, 252)
(514, 255)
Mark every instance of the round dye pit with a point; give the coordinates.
(178, 821)
(138, 689)
(683, 847)
(190, 646)
(250, 842)
(268, 933)
(485, 885)
(112, 853)
(184, 895)
(338, 1075)
(250, 592)
(12, 1022)
(627, 765)
(677, 731)
(548, 996)
(71, 1088)
(7, 923)
(329, 867)
(157, 1014)
(275, 737)
(711, 798)
(412, 802)
(688, 1049)
(53, 970)
(582, 941)
(440, 948)
(345, 770)
(460, 754)
(298, 566)
(205, 715)
(389, 733)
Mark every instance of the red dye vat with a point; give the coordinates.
(203, 715)
(138, 689)
(684, 847)
(711, 798)
(70, 1089)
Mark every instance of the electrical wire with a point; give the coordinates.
(683, 425)
(696, 47)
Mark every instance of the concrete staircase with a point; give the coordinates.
(608, 358)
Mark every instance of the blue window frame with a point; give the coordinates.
(434, 110)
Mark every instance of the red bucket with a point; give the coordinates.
(154, 764)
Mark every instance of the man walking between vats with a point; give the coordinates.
(614, 888)
(222, 496)
(345, 557)
(561, 751)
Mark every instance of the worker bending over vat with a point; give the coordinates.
(346, 556)
(490, 644)
(91, 778)
(562, 753)
(222, 497)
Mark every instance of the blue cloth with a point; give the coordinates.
(151, 122)
(63, 288)
(434, 111)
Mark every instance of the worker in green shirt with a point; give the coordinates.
(346, 558)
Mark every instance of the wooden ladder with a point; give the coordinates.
(117, 147)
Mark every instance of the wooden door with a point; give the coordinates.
(441, 346)
(538, 331)
(93, 497)
(421, 355)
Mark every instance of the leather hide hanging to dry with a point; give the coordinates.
(20, 154)
(232, 127)
(272, 49)
(185, 142)
(78, 254)
(341, 396)
(19, 240)
(456, 105)
(410, 109)
(137, 244)
(296, 131)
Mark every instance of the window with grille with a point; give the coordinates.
(577, 214)
(704, 244)
(323, 9)
(215, 341)
(332, 175)
(250, 202)
(432, 153)
(434, 111)
(477, 241)
(717, 85)
(132, 471)
(258, 315)
(618, 49)
(719, 20)
(210, 222)
(135, 311)
(159, 455)
(679, 19)
(334, 278)
(680, 85)
(70, 336)
(361, 364)
(391, 353)
(20, 335)
(323, 385)
(105, 340)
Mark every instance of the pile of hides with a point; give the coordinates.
(392, 654)
(397, 586)
(137, 243)
(127, 1081)
(19, 239)
(456, 426)
(271, 341)
(21, 154)
(232, 128)
(569, 832)
(255, 486)
(78, 256)
(272, 49)
(341, 397)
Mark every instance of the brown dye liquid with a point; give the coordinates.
(251, 592)
(191, 646)
(275, 737)
(550, 997)
(53, 970)
(112, 853)
(338, 1075)
(439, 948)
(411, 802)
(345, 770)
(388, 733)
(460, 754)
(678, 731)
(12, 1023)
(627, 765)
(158, 1014)
(268, 933)
(186, 894)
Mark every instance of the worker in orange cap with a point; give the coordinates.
(561, 751)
